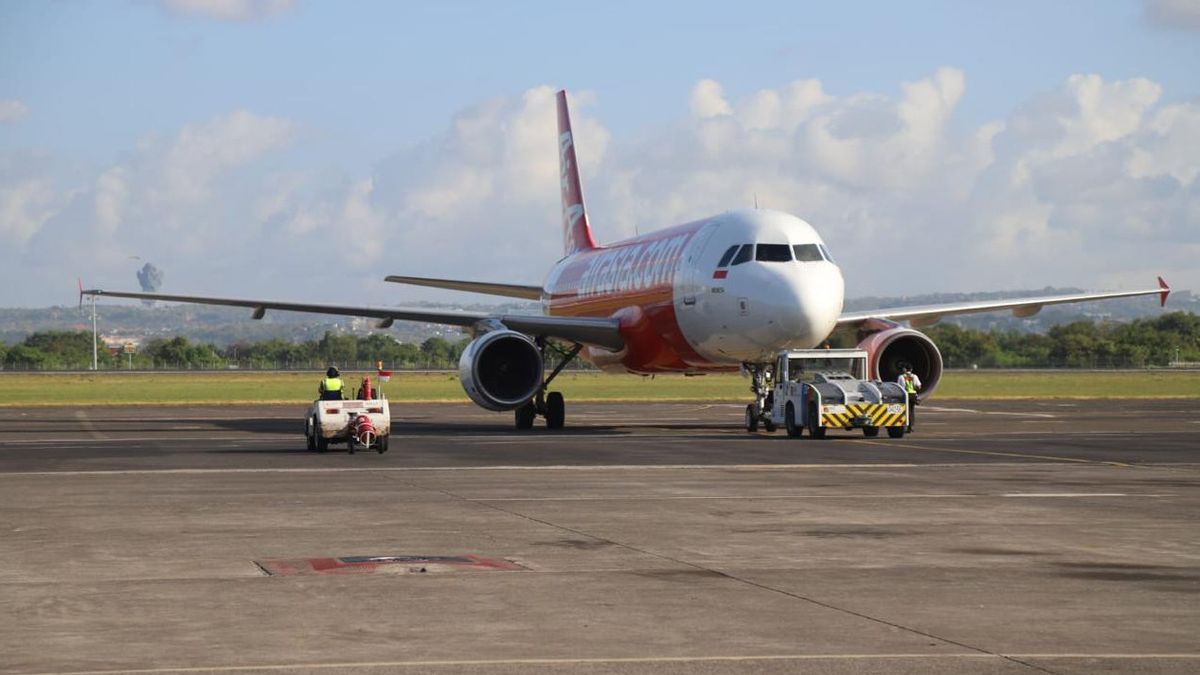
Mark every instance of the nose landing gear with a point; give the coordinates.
(759, 412)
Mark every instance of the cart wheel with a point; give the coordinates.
(870, 432)
(381, 445)
(751, 418)
(322, 443)
(789, 422)
(351, 445)
(895, 432)
(815, 429)
(309, 441)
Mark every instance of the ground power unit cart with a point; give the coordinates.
(363, 423)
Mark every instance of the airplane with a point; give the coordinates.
(720, 294)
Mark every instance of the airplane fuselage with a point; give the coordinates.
(682, 310)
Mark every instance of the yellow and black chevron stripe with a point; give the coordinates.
(876, 412)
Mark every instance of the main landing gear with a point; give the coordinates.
(759, 412)
(549, 405)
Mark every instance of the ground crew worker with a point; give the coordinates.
(911, 384)
(331, 387)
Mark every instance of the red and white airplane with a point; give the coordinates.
(719, 294)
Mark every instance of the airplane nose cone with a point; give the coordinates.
(814, 302)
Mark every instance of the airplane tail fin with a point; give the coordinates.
(577, 234)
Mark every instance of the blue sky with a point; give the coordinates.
(359, 86)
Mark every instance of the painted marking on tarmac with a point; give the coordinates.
(986, 412)
(142, 439)
(88, 425)
(972, 495)
(991, 453)
(419, 469)
(1056, 495)
(351, 665)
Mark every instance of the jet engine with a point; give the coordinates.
(501, 369)
(891, 349)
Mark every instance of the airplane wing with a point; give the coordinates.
(927, 315)
(587, 330)
(507, 290)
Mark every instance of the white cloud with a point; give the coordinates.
(198, 154)
(1178, 14)
(174, 198)
(24, 207)
(708, 100)
(12, 110)
(230, 10)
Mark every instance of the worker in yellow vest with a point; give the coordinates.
(331, 387)
(911, 384)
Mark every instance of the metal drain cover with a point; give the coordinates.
(386, 564)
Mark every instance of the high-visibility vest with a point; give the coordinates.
(909, 385)
(333, 384)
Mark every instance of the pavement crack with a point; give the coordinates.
(727, 575)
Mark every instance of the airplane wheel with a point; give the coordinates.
(815, 430)
(556, 410)
(751, 419)
(870, 432)
(789, 422)
(895, 432)
(524, 416)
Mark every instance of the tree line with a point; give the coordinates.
(1141, 343)
(68, 350)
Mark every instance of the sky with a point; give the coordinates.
(303, 150)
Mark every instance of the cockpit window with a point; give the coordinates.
(807, 253)
(826, 252)
(728, 256)
(773, 253)
(745, 254)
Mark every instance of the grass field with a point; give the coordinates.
(116, 388)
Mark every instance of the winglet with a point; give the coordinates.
(1166, 290)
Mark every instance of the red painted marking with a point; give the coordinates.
(1162, 299)
(720, 274)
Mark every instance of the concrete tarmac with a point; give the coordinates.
(1002, 537)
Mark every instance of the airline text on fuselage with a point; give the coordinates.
(631, 268)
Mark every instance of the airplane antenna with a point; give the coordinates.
(755, 201)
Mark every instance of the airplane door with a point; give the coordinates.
(692, 306)
(693, 286)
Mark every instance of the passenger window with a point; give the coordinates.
(825, 251)
(807, 253)
(728, 256)
(773, 253)
(746, 252)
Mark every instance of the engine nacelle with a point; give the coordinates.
(890, 350)
(501, 370)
